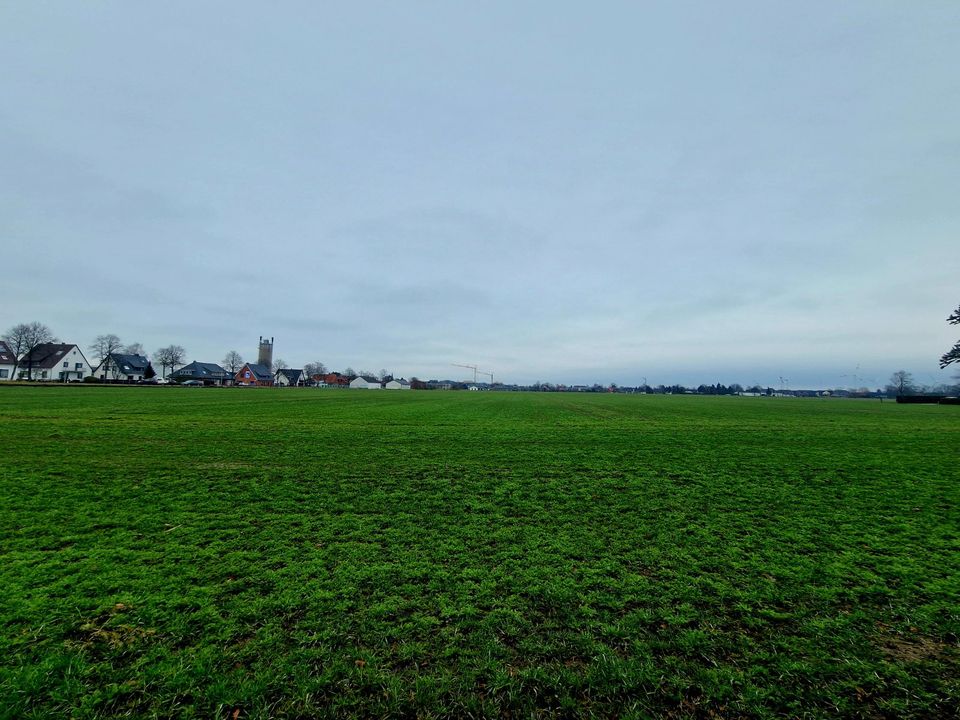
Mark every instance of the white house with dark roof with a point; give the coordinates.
(8, 362)
(288, 377)
(400, 384)
(61, 362)
(119, 366)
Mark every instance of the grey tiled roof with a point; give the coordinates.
(260, 372)
(200, 370)
(130, 364)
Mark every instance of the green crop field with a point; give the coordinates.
(234, 553)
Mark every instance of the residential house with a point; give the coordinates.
(207, 373)
(8, 362)
(315, 380)
(336, 379)
(254, 375)
(287, 377)
(367, 382)
(62, 362)
(128, 368)
(395, 384)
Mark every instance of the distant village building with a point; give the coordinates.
(288, 377)
(254, 374)
(365, 383)
(207, 373)
(63, 362)
(8, 362)
(400, 384)
(128, 368)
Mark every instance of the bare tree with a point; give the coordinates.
(23, 339)
(350, 372)
(278, 365)
(901, 383)
(233, 361)
(170, 356)
(953, 354)
(134, 349)
(384, 375)
(104, 346)
(315, 368)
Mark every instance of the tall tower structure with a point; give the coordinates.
(265, 356)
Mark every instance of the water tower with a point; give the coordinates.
(265, 356)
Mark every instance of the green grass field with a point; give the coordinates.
(282, 553)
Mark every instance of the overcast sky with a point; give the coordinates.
(565, 192)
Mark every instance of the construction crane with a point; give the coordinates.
(469, 367)
(476, 371)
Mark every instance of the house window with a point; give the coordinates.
(78, 367)
(43, 375)
(66, 364)
(4, 374)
